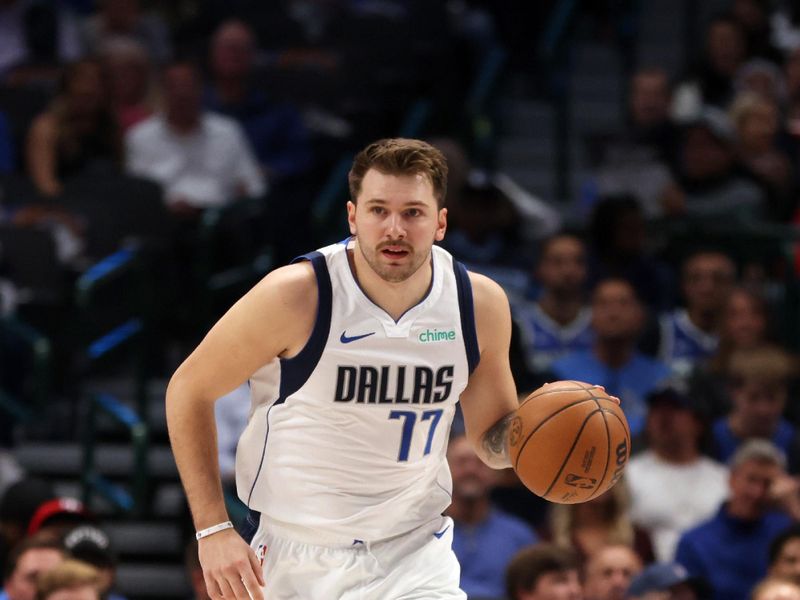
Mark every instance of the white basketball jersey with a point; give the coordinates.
(348, 438)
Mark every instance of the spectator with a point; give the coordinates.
(759, 388)
(200, 158)
(77, 130)
(35, 39)
(776, 589)
(784, 555)
(487, 233)
(673, 486)
(689, 335)
(28, 560)
(71, 580)
(275, 131)
(602, 521)
(133, 89)
(785, 23)
(558, 322)
(57, 515)
(543, 572)
(619, 249)
(743, 326)
(484, 538)
(762, 78)
(709, 185)
(613, 361)
(757, 122)
(667, 581)
(711, 82)
(753, 16)
(17, 506)
(730, 550)
(608, 572)
(124, 18)
(92, 546)
(637, 163)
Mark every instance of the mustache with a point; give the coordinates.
(398, 244)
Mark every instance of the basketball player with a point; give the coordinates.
(356, 357)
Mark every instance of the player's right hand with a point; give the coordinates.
(230, 567)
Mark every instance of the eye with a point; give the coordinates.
(413, 212)
(377, 210)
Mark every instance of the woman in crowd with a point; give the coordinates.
(77, 129)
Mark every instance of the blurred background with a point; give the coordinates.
(628, 170)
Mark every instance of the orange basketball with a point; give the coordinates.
(569, 442)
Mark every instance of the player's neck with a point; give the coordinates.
(393, 297)
(562, 310)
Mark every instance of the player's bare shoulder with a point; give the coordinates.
(293, 288)
(287, 297)
(492, 312)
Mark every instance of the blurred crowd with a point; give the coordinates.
(664, 280)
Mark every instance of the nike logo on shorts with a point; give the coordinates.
(438, 534)
(346, 340)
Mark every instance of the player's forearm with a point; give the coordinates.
(493, 448)
(192, 434)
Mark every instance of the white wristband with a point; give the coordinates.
(213, 529)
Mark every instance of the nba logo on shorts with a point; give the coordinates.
(261, 552)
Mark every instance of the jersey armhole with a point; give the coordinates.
(297, 369)
(466, 309)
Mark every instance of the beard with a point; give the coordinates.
(387, 269)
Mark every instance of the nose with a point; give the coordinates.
(396, 228)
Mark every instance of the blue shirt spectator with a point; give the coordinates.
(613, 361)
(630, 382)
(730, 550)
(484, 538)
(485, 549)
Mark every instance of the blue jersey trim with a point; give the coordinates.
(295, 371)
(467, 310)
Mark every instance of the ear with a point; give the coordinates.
(441, 226)
(351, 216)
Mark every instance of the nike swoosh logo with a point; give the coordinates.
(438, 535)
(346, 340)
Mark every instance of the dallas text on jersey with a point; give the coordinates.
(407, 385)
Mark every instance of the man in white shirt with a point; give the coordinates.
(673, 486)
(201, 159)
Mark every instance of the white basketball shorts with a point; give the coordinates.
(419, 565)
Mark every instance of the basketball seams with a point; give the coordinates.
(543, 422)
(608, 451)
(571, 450)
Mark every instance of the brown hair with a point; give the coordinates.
(766, 363)
(69, 574)
(530, 563)
(400, 156)
(614, 518)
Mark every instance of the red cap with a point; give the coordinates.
(51, 508)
